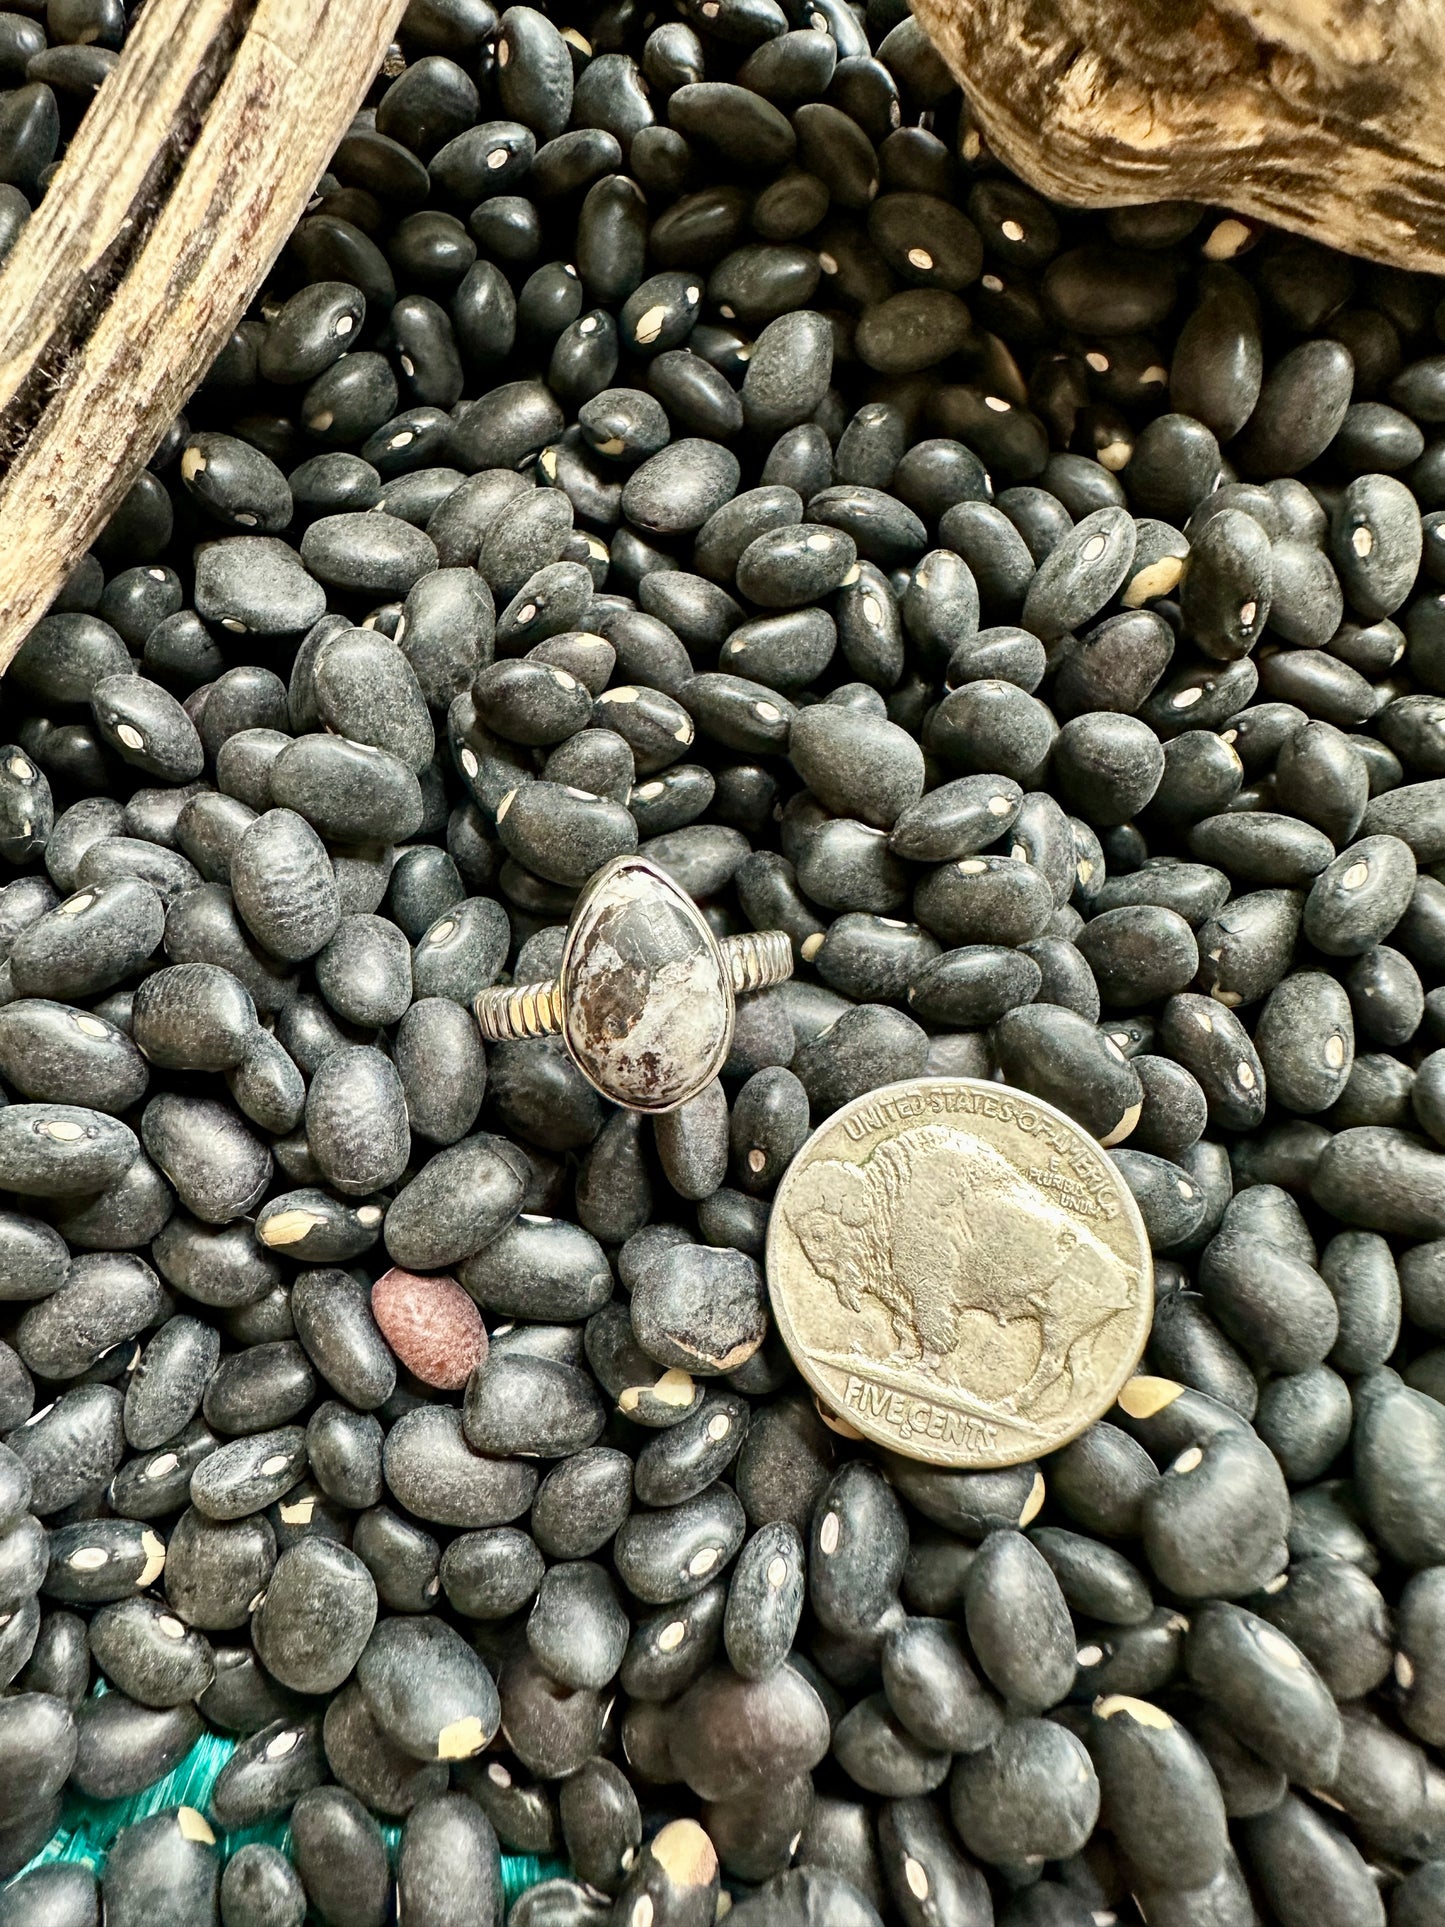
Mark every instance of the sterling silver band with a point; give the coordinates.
(509, 1012)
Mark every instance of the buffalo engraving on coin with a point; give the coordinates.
(959, 1271)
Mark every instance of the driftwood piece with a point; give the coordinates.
(113, 308)
(110, 185)
(1326, 117)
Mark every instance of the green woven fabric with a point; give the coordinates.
(87, 1827)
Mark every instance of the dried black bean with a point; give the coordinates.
(165, 1870)
(1272, 1696)
(1032, 1791)
(1158, 1791)
(1215, 1524)
(1279, 1844)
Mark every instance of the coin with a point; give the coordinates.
(959, 1271)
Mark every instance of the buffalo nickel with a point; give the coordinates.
(959, 1271)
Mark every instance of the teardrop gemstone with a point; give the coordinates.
(647, 1007)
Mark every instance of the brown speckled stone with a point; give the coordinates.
(432, 1326)
(647, 1005)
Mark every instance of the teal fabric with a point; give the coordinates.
(87, 1827)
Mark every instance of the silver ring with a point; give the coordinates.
(645, 996)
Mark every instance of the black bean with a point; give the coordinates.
(269, 1769)
(53, 1052)
(356, 1121)
(1359, 897)
(265, 1386)
(847, 865)
(552, 1728)
(873, 958)
(1032, 1791)
(1260, 846)
(1382, 1179)
(878, 1753)
(1337, 1617)
(577, 1628)
(680, 1462)
(1159, 1793)
(361, 1756)
(999, 654)
(61, 1150)
(89, 942)
(868, 1045)
(1280, 1844)
(1139, 953)
(65, 656)
(123, 1745)
(783, 651)
(466, 1195)
(1101, 1479)
(934, 1691)
(1215, 1524)
(488, 1575)
(1062, 1057)
(858, 1545)
(680, 487)
(33, 1257)
(601, 1823)
(1187, 1344)
(1274, 1699)
(107, 1297)
(426, 1689)
(284, 887)
(1305, 1421)
(165, 1870)
(860, 763)
(1018, 1623)
(673, 1648)
(311, 331)
(316, 1617)
(1271, 1302)
(241, 1478)
(957, 819)
(1210, 1042)
(447, 1847)
(1218, 361)
(1247, 948)
(692, 1143)
(1095, 1580)
(1305, 1038)
(614, 1190)
(339, 1853)
(58, 1895)
(670, 1554)
(765, 1601)
(579, 1506)
(564, 833)
(531, 1404)
(726, 1726)
(255, 585)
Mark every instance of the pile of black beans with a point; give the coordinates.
(672, 430)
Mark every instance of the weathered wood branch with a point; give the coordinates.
(1326, 117)
(109, 189)
(106, 327)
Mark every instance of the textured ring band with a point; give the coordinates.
(755, 959)
(510, 1012)
(645, 993)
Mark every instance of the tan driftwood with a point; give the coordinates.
(111, 182)
(91, 374)
(1326, 117)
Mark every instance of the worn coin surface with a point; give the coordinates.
(959, 1271)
